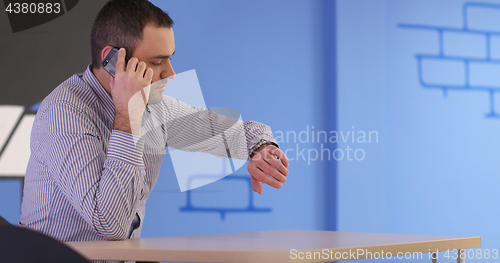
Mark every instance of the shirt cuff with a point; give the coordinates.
(126, 147)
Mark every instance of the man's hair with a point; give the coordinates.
(120, 23)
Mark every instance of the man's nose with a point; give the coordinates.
(168, 71)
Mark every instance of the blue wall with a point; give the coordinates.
(435, 167)
(10, 199)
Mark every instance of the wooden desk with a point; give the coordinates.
(270, 246)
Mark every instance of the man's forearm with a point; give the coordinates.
(101, 182)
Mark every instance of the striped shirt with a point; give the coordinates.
(86, 181)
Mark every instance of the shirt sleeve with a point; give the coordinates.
(196, 129)
(101, 183)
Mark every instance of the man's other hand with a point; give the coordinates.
(268, 166)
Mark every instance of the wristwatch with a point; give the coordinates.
(259, 146)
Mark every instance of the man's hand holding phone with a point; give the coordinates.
(130, 92)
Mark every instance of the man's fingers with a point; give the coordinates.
(141, 68)
(132, 64)
(120, 63)
(264, 178)
(256, 185)
(280, 154)
(271, 154)
(269, 170)
(271, 166)
(149, 75)
(274, 162)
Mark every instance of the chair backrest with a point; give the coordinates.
(4, 222)
(21, 245)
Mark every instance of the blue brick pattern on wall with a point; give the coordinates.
(221, 209)
(249, 208)
(468, 57)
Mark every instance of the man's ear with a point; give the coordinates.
(105, 51)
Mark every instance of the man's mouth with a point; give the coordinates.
(159, 85)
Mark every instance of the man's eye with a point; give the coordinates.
(156, 64)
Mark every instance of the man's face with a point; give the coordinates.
(155, 49)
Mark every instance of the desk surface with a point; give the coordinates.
(268, 246)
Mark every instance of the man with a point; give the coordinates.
(91, 170)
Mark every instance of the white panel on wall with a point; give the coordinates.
(15, 157)
(9, 116)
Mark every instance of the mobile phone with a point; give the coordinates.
(109, 62)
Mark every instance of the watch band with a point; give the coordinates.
(259, 146)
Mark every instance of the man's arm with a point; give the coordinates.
(196, 129)
(102, 187)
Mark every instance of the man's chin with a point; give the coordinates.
(155, 97)
(157, 88)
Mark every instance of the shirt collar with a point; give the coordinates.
(102, 94)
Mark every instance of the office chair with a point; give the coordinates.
(22, 245)
(4, 222)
